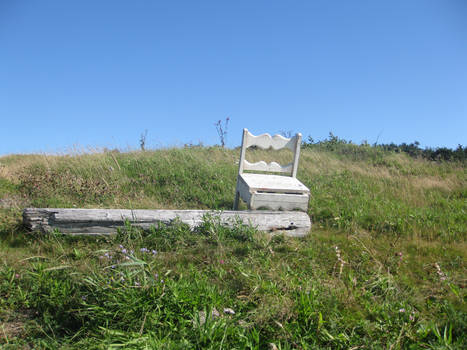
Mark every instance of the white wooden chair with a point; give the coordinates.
(271, 191)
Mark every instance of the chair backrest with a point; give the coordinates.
(266, 141)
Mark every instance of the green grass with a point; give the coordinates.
(396, 279)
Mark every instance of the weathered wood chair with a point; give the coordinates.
(270, 191)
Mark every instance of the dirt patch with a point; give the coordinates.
(11, 330)
(12, 325)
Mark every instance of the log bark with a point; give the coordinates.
(107, 221)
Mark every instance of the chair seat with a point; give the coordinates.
(273, 184)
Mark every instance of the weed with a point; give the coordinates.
(222, 130)
(142, 140)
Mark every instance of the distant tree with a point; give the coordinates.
(288, 133)
(335, 144)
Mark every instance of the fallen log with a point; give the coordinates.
(107, 221)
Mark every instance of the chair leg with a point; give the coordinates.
(237, 195)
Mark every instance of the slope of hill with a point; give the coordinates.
(383, 267)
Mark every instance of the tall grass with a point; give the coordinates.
(383, 267)
(389, 194)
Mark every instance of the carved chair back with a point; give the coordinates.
(266, 141)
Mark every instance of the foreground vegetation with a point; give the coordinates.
(384, 266)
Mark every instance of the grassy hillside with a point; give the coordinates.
(384, 266)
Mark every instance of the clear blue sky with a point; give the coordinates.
(98, 73)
